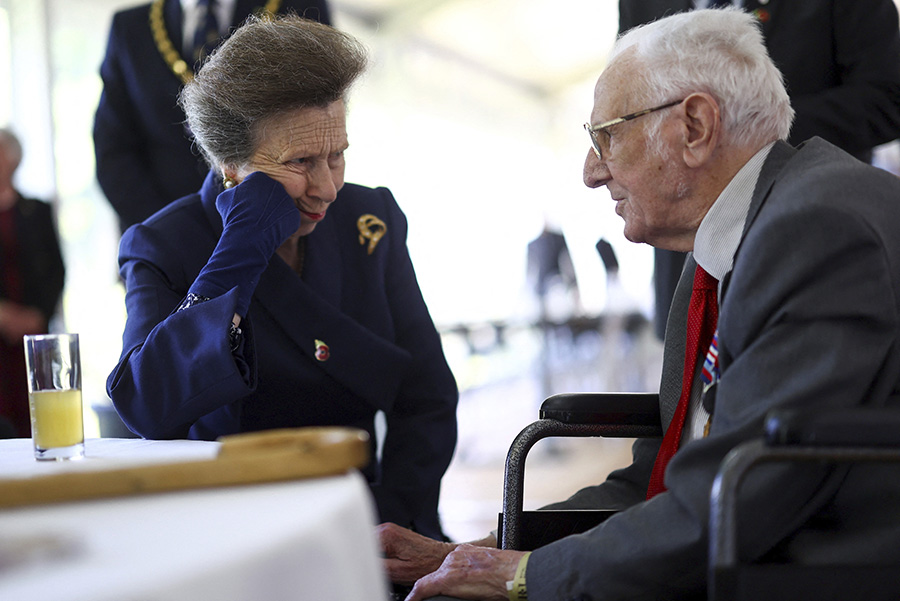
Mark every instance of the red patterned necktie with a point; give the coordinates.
(703, 313)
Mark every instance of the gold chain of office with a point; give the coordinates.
(167, 49)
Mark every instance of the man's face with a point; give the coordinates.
(650, 188)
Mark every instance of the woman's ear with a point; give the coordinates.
(229, 177)
(702, 128)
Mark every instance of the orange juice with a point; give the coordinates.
(56, 418)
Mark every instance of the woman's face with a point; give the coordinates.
(304, 151)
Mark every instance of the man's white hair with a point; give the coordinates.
(720, 52)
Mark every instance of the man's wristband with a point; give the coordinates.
(516, 586)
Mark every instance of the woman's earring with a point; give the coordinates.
(228, 182)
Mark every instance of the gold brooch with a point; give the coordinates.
(371, 228)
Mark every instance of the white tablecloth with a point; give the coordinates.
(303, 540)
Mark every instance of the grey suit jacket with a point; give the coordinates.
(809, 316)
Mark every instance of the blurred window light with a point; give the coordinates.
(5, 69)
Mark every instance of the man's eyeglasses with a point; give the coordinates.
(593, 130)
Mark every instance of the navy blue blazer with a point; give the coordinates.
(177, 376)
(143, 151)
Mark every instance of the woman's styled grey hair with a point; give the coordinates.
(269, 66)
(720, 52)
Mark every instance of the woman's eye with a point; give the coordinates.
(300, 161)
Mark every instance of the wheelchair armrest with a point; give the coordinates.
(604, 408)
(614, 415)
(834, 435)
(862, 427)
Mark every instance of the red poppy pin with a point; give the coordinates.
(322, 351)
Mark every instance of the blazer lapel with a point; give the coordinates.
(775, 163)
(675, 340)
(309, 309)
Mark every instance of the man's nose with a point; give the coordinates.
(595, 172)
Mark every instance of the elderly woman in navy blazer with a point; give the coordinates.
(277, 295)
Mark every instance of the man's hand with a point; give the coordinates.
(470, 572)
(407, 555)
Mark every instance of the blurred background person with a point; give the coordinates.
(841, 63)
(32, 276)
(143, 150)
(551, 275)
(277, 296)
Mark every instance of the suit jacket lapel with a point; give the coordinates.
(675, 340)
(309, 309)
(775, 163)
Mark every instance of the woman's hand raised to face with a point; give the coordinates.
(258, 215)
(260, 209)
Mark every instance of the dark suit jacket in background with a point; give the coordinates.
(177, 376)
(841, 61)
(809, 317)
(42, 275)
(143, 151)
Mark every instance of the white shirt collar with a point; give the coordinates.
(705, 3)
(191, 15)
(720, 231)
(188, 5)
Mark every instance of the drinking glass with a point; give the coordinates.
(53, 365)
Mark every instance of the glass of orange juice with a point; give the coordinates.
(53, 365)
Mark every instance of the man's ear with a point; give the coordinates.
(702, 127)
